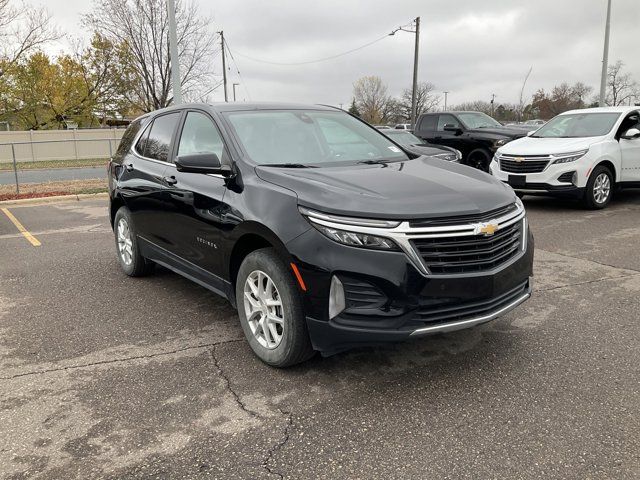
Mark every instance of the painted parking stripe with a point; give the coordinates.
(25, 233)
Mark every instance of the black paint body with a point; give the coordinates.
(202, 226)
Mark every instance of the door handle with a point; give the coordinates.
(129, 167)
(170, 180)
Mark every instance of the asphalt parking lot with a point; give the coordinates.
(103, 376)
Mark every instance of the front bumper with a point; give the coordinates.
(562, 180)
(388, 299)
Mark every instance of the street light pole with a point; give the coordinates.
(234, 91)
(445, 100)
(605, 57)
(414, 91)
(173, 51)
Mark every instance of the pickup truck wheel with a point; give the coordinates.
(599, 188)
(131, 260)
(270, 310)
(479, 159)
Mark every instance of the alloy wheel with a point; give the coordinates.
(125, 244)
(263, 309)
(601, 188)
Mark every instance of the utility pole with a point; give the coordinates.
(414, 89)
(224, 67)
(605, 57)
(493, 97)
(445, 100)
(234, 91)
(173, 51)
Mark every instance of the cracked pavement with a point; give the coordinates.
(103, 376)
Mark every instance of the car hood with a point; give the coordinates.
(499, 132)
(547, 146)
(420, 188)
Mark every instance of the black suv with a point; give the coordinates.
(475, 134)
(324, 233)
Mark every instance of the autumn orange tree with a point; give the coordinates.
(85, 87)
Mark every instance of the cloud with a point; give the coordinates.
(472, 49)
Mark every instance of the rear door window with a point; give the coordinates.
(158, 142)
(428, 123)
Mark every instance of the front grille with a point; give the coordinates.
(461, 311)
(526, 165)
(470, 253)
(464, 219)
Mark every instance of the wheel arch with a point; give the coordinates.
(252, 236)
(114, 205)
(610, 165)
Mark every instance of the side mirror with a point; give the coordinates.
(631, 134)
(202, 163)
(450, 127)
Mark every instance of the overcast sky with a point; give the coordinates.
(470, 48)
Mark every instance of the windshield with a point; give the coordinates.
(478, 120)
(576, 125)
(310, 138)
(404, 138)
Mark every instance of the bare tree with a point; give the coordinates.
(621, 87)
(371, 99)
(143, 26)
(426, 100)
(23, 28)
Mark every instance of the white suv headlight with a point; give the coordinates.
(569, 157)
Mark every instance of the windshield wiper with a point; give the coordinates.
(288, 165)
(373, 162)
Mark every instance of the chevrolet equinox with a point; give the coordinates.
(324, 233)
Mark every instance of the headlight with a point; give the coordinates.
(499, 143)
(569, 157)
(324, 223)
(449, 157)
(354, 239)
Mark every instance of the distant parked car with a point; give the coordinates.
(582, 154)
(412, 143)
(475, 134)
(383, 127)
(403, 126)
(535, 123)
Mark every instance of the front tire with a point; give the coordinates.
(270, 310)
(479, 159)
(131, 260)
(599, 188)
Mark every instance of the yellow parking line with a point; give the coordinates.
(25, 233)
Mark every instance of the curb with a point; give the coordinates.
(54, 199)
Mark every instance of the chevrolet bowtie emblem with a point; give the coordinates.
(519, 159)
(485, 229)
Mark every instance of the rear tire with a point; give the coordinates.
(129, 256)
(599, 188)
(268, 296)
(479, 159)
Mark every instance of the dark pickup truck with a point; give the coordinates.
(475, 134)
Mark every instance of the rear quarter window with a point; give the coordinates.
(128, 137)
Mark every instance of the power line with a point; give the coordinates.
(324, 59)
(244, 85)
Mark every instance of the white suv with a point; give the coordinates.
(580, 154)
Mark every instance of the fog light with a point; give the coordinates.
(336, 298)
